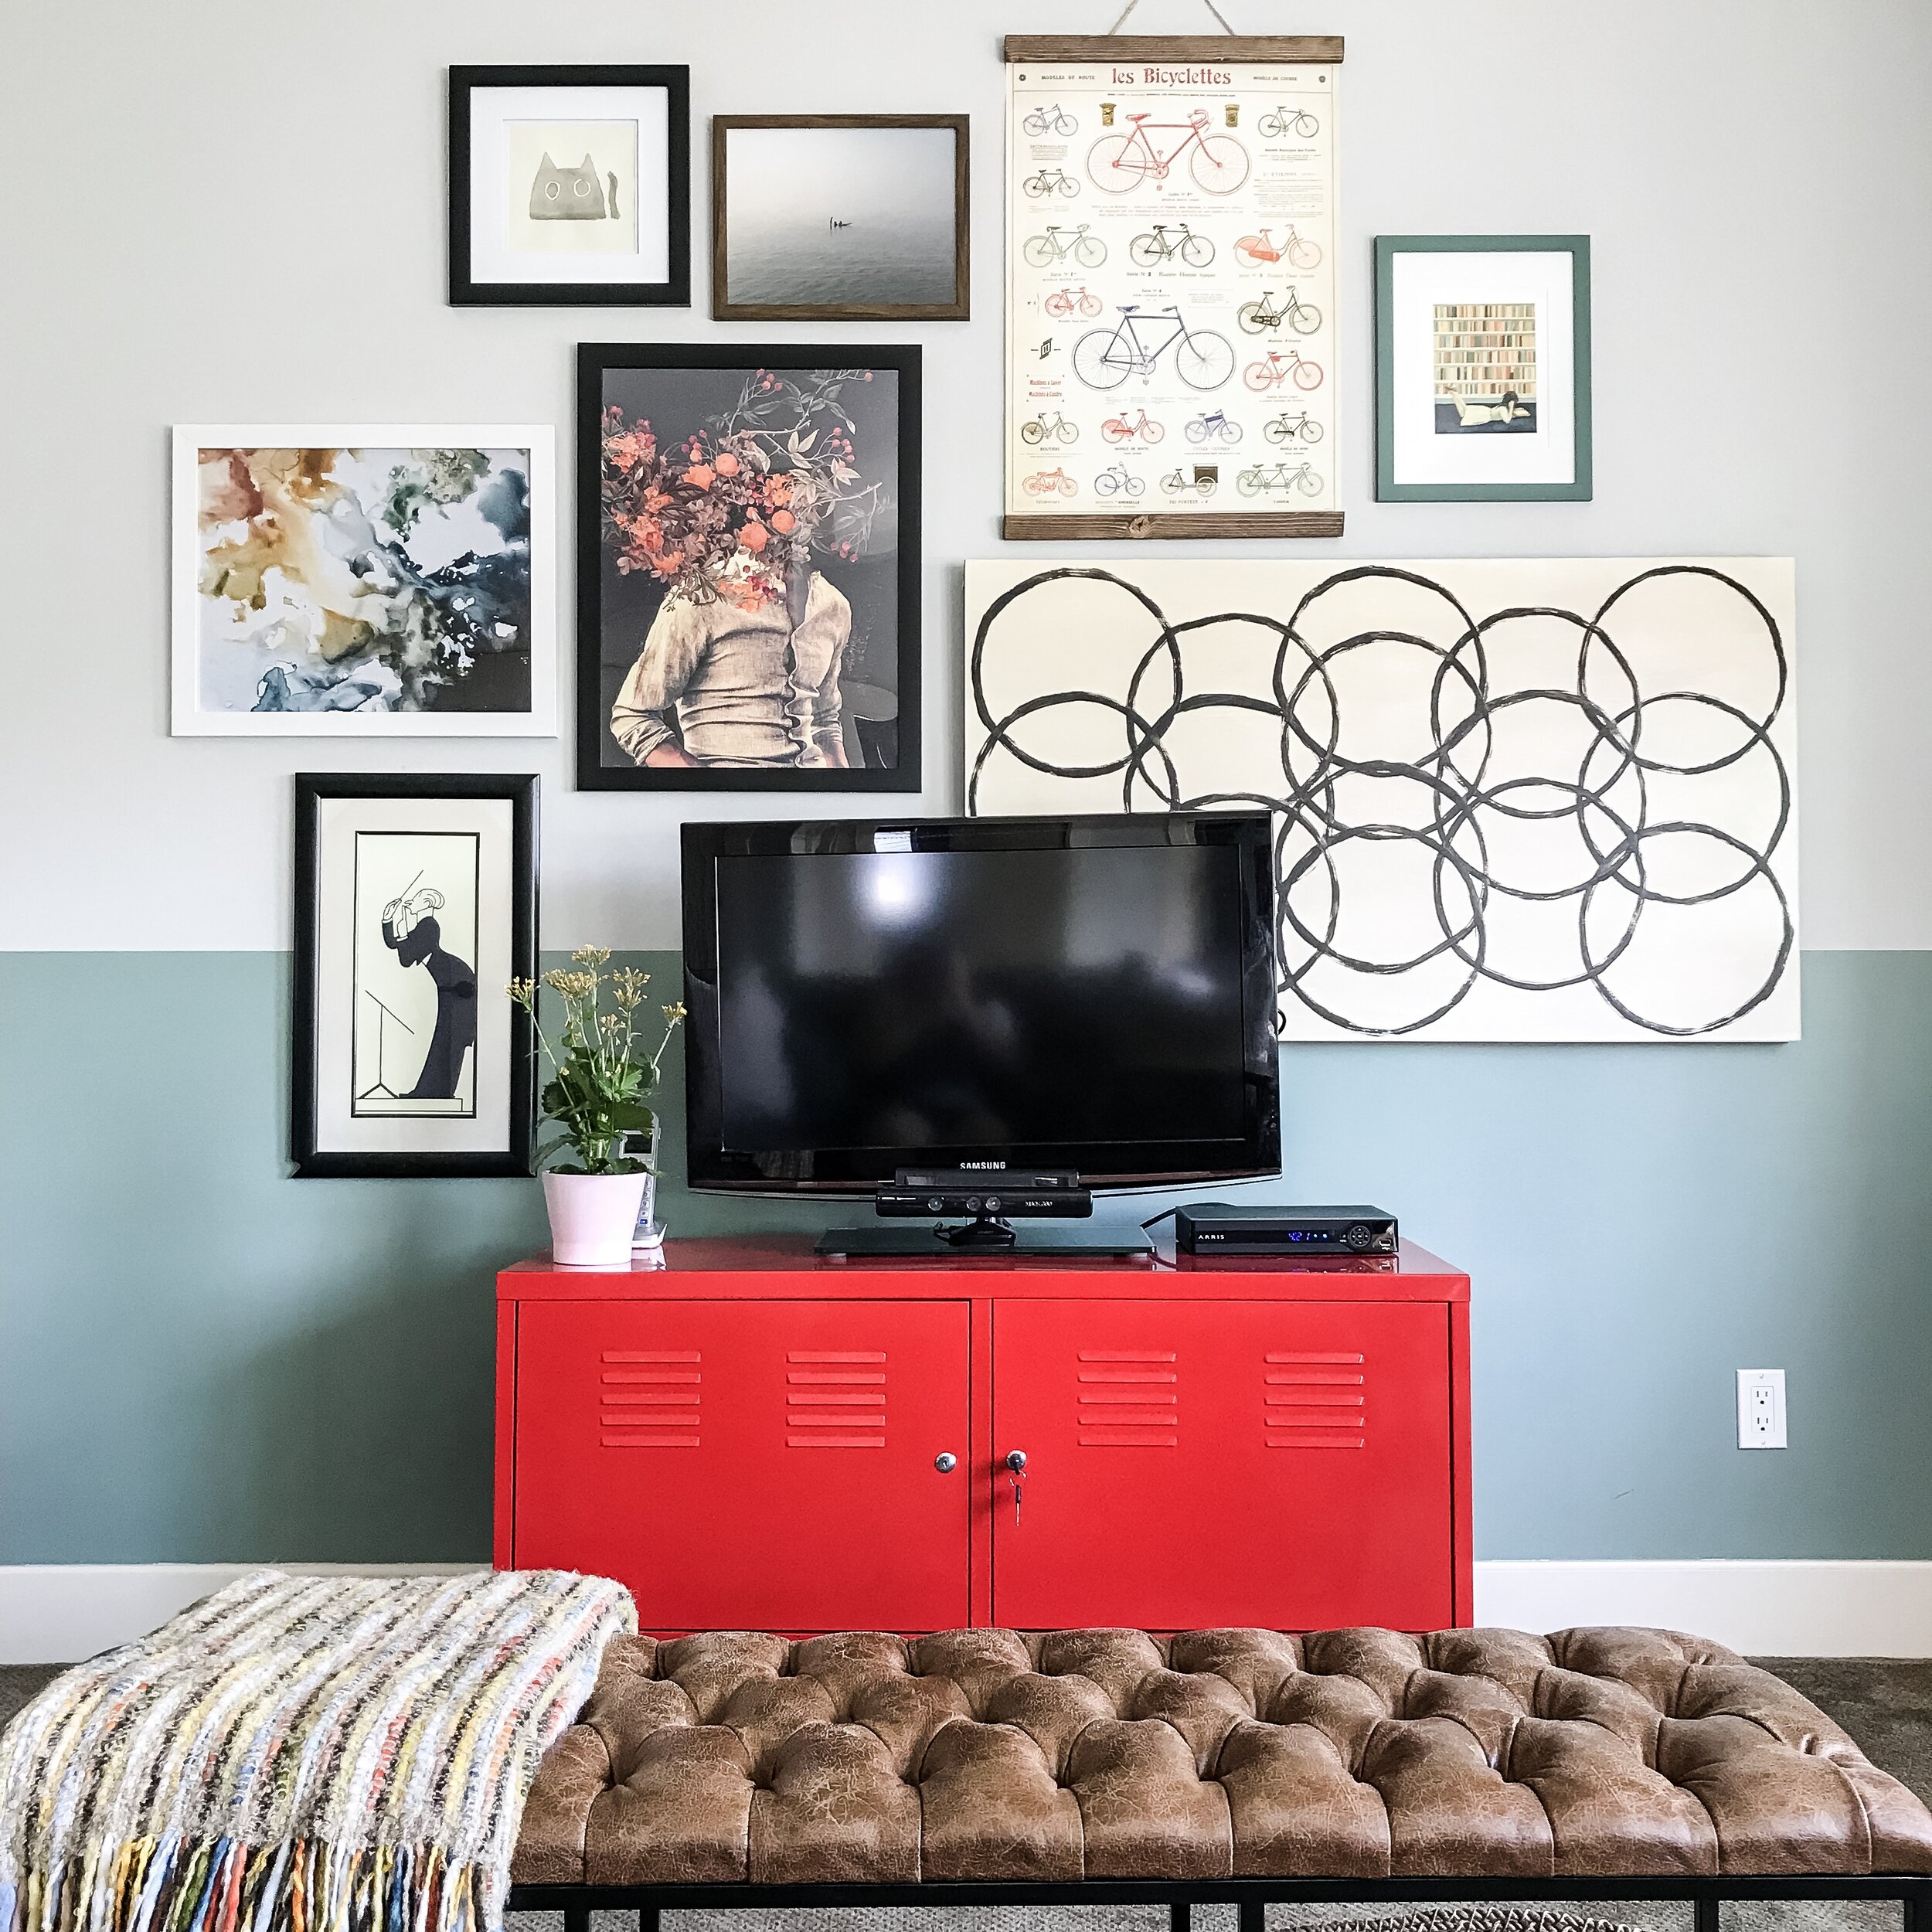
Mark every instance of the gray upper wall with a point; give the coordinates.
(224, 213)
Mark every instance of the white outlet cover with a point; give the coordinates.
(1761, 1408)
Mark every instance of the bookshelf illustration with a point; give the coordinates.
(1484, 350)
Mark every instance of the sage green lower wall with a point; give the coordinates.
(203, 1360)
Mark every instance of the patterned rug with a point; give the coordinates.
(300, 1754)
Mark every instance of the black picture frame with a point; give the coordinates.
(673, 292)
(311, 1160)
(597, 360)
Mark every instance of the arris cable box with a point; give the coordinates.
(1215, 1227)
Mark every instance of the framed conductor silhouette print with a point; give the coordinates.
(415, 907)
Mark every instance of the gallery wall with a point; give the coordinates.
(239, 216)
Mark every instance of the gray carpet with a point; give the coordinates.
(1886, 1703)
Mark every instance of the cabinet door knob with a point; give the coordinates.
(945, 1462)
(1016, 1461)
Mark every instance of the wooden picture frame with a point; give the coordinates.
(1173, 285)
(917, 285)
(1544, 278)
(654, 423)
(445, 947)
(485, 269)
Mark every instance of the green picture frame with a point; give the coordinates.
(1390, 487)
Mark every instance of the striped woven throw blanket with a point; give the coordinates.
(300, 1754)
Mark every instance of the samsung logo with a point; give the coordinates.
(978, 1165)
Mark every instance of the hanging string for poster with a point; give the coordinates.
(1208, 4)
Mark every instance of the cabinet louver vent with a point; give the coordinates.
(1314, 1401)
(1128, 1398)
(835, 1399)
(648, 1398)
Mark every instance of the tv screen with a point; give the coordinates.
(1092, 993)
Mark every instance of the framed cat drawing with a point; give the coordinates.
(570, 185)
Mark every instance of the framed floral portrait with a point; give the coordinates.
(748, 568)
(359, 581)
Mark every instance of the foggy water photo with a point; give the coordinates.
(839, 216)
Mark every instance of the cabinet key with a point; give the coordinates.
(1016, 1475)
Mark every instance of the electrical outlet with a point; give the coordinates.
(1761, 1408)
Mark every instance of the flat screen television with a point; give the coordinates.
(1091, 993)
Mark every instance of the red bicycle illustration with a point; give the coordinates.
(1116, 481)
(1279, 368)
(1057, 244)
(1118, 429)
(1284, 121)
(1285, 428)
(1259, 250)
(1262, 482)
(1105, 357)
(1072, 301)
(1050, 483)
(1051, 180)
(1118, 163)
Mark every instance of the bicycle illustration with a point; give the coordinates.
(1279, 368)
(1279, 121)
(1258, 317)
(1042, 251)
(1163, 245)
(1105, 357)
(1218, 428)
(1202, 483)
(1055, 482)
(1260, 482)
(1050, 182)
(1072, 301)
(1118, 163)
(1057, 430)
(1117, 482)
(1118, 429)
(1285, 428)
(1260, 250)
(1050, 120)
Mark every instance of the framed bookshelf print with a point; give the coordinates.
(415, 907)
(748, 567)
(341, 580)
(1171, 289)
(570, 185)
(1482, 369)
(839, 217)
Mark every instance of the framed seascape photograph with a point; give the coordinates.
(839, 217)
(1482, 369)
(353, 581)
(748, 568)
(1172, 290)
(415, 907)
(570, 185)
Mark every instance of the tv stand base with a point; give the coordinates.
(982, 1238)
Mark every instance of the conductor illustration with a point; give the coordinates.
(410, 930)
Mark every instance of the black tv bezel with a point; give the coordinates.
(852, 1173)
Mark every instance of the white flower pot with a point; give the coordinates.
(592, 1216)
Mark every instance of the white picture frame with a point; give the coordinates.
(224, 646)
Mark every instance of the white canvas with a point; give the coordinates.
(1549, 799)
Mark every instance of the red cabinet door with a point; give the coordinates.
(1193, 1464)
(750, 1465)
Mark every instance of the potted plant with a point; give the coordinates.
(601, 1077)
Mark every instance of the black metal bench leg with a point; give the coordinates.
(647, 1918)
(1177, 1916)
(1254, 1917)
(1704, 1910)
(577, 1918)
(1918, 1908)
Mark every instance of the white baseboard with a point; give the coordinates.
(53, 1613)
(1772, 1609)
(56, 1613)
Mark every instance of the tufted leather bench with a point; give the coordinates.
(1072, 1756)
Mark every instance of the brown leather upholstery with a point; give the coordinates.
(1108, 1754)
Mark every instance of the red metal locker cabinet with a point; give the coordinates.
(748, 1464)
(1193, 1463)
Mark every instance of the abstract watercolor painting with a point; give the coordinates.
(1539, 799)
(357, 582)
